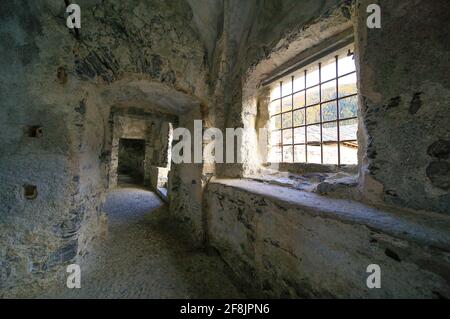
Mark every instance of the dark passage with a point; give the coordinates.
(131, 161)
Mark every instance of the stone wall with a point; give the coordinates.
(159, 177)
(270, 34)
(403, 139)
(403, 123)
(64, 85)
(258, 38)
(186, 184)
(61, 160)
(405, 104)
(282, 243)
(57, 90)
(247, 35)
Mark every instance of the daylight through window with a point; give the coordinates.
(313, 113)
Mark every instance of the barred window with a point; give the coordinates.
(313, 113)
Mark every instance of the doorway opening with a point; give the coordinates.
(161, 172)
(130, 168)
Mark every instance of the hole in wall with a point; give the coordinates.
(30, 191)
(62, 75)
(392, 254)
(35, 131)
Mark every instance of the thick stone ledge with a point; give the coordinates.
(423, 227)
(282, 242)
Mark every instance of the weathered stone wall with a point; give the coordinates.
(274, 32)
(403, 123)
(158, 177)
(403, 141)
(159, 137)
(286, 244)
(63, 162)
(243, 39)
(87, 221)
(65, 84)
(258, 37)
(155, 55)
(186, 183)
(404, 130)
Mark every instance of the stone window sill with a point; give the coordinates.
(320, 179)
(426, 228)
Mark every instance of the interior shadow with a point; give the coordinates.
(130, 168)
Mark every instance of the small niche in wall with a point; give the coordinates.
(30, 191)
(34, 131)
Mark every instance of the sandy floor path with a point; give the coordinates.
(144, 256)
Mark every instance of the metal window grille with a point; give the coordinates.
(316, 121)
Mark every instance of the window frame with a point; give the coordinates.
(312, 61)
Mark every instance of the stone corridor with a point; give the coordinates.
(145, 256)
(299, 150)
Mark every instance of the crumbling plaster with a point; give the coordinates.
(404, 104)
(52, 79)
(284, 244)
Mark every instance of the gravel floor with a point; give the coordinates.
(144, 256)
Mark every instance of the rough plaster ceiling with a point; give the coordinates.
(155, 97)
(208, 20)
(150, 96)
